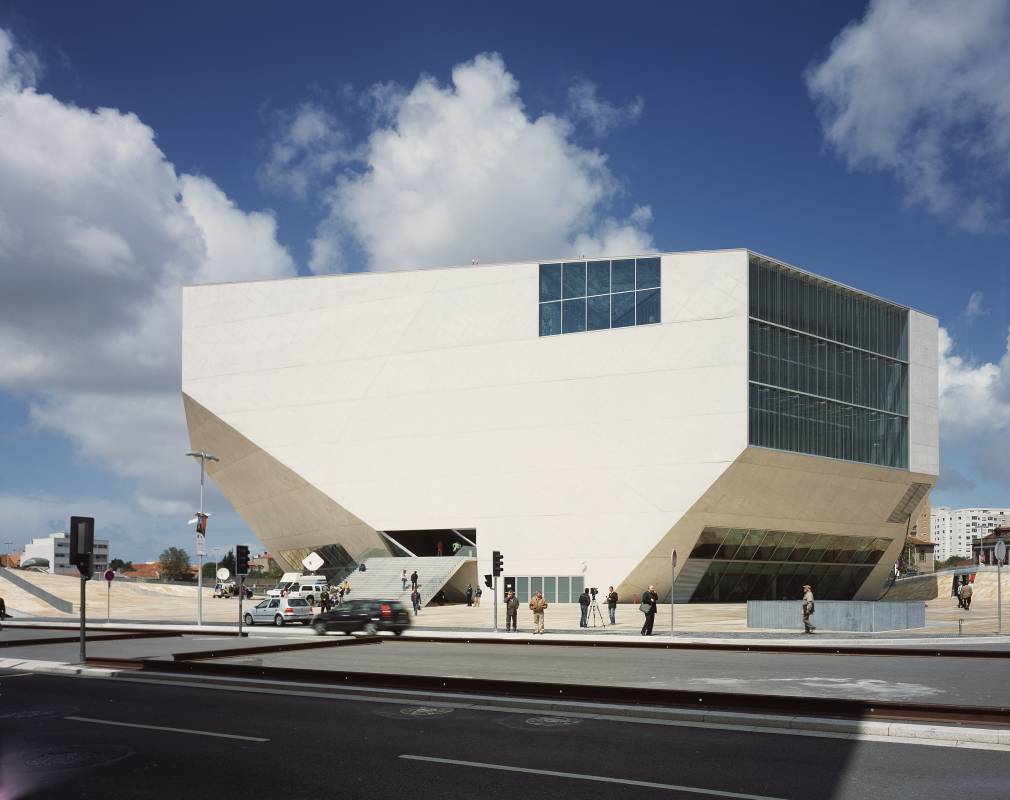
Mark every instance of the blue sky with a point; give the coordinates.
(876, 158)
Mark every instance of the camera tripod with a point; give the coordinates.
(594, 614)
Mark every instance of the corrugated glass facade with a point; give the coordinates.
(828, 369)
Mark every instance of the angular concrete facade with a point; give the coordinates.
(345, 406)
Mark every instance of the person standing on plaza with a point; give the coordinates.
(612, 605)
(538, 606)
(649, 600)
(469, 594)
(324, 602)
(476, 595)
(966, 596)
(413, 580)
(584, 608)
(808, 608)
(415, 600)
(511, 610)
(405, 580)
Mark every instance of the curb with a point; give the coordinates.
(988, 738)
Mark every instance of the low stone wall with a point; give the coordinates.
(838, 615)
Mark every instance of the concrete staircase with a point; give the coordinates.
(382, 577)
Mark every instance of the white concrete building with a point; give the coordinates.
(585, 418)
(55, 549)
(954, 528)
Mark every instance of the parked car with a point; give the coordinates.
(370, 616)
(226, 589)
(279, 611)
(307, 587)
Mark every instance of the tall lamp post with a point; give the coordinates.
(204, 457)
(7, 559)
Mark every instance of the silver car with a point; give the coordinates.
(279, 611)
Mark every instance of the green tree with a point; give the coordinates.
(118, 565)
(174, 564)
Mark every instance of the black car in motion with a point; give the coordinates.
(370, 616)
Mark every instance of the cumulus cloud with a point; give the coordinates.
(975, 408)
(602, 116)
(919, 88)
(308, 144)
(97, 235)
(462, 171)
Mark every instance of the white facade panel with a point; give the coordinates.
(923, 394)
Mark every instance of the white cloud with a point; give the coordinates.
(920, 88)
(974, 308)
(97, 235)
(308, 144)
(602, 116)
(974, 397)
(462, 171)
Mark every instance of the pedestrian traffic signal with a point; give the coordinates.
(82, 544)
(496, 563)
(487, 582)
(201, 523)
(241, 559)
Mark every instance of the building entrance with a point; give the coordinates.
(435, 542)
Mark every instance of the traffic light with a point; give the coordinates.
(241, 559)
(201, 523)
(497, 564)
(487, 582)
(82, 544)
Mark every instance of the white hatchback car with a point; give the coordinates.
(279, 611)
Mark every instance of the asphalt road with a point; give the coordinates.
(87, 738)
(914, 679)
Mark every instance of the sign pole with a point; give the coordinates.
(1000, 555)
(673, 578)
(108, 602)
(84, 656)
(241, 595)
(495, 602)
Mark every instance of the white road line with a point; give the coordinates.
(597, 778)
(4, 677)
(171, 730)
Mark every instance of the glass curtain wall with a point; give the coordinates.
(751, 564)
(828, 369)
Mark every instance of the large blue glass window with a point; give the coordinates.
(596, 295)
(828, 369)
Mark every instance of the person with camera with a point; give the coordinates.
(584, 604)
(612, 605)
(538, 606)
(649, 600)
(511, 610)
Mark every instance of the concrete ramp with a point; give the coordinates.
(40, 595)
(382, 577)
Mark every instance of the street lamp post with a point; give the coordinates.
(7, 558)
(200, 545)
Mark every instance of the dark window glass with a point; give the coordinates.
(550, 282)
(648, 273)
(622, 275)
(550, 319)
(598, 277)
(573, 315)
(708, 544)
(622, 309)
(574, 283)
(599, 313)
(647, 303)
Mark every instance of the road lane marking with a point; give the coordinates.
(170, 730)
(597, 778)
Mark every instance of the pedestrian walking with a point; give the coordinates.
(511, 610)
(612, 605)
(538, 606)
(405, 580)
(960, 599)
(966, 596)
(413, 580)
(469, 594)
(649, 600)
(584, 608)
(415, 600)
(347, 586)
(476, 595)
(808, 608)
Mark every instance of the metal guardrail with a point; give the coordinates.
(46, 597)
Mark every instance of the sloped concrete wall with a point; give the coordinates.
(838, 615)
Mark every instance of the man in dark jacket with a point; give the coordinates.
(469, 594)
(511, 609)
(413, 580)
(650, 598)
(612, 605)
(415, 600)
(584, 605)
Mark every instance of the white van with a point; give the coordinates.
(285, 582)
(309, 587)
